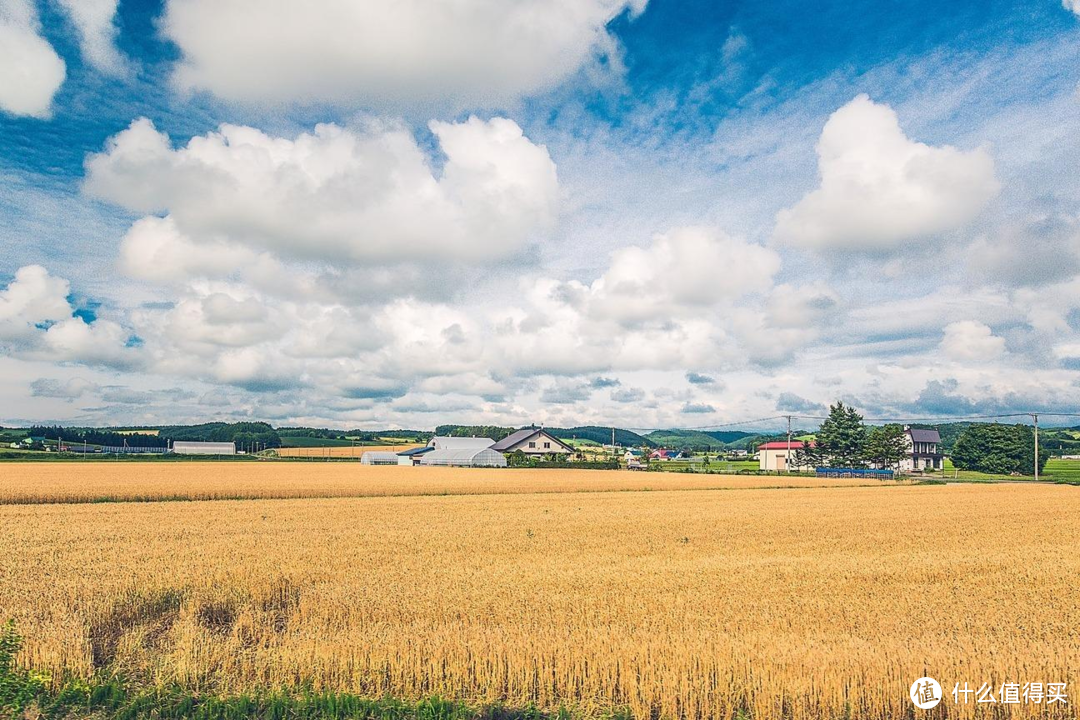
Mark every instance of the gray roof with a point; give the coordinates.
(440, 442)
(416, 450)
(924, 436)
(514, 439)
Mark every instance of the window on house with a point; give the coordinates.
(532, 444)
(547, 444)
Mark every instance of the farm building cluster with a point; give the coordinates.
(923, 453)
(474, 451)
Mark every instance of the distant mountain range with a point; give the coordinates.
(1057, 440)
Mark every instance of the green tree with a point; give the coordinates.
(886, 446)
(840, 442)
(998, 450)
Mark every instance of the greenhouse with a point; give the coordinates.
(464, 457)
(379, 458)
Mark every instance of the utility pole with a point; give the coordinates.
(1035, 418)
(787, 463)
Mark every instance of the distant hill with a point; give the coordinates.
(692, 439)
(602, 435)
(728, 436)
(481, 431)
(717, 439)
(595, 433)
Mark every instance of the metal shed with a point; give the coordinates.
(379, 458)
(441, 442)
(464, 457)
(185, 447)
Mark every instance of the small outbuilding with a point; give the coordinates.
(378, 457)
(464, 457)
(412, 456)
(779, 455)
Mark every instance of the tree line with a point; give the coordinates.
(844, 440)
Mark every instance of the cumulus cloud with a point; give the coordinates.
(698, 408)
(30, 67)
(69, 390)
(1039, 251)
(790, 402)
(33, 299)
(971, 341)
(94, 20)
(470, 53)
(38, 321)
(698, 379)
(336, 194)
(1073, 5)
(627, 395)
(686, 271)
(566, 392)
(880, 190)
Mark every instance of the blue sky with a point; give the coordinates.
(545, 211)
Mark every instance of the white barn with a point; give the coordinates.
(189, 447)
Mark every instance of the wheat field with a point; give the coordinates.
(795, 603)
(147, 481)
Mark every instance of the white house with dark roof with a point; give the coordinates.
(533, 441)
(924, 450)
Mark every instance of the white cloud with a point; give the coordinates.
(684, 272)
(94, 20)
(467, 53)
(34, 297)
(32, 72)
(102, 342)
(1073, 5)
(880, 190)
(335, 194)
(38, 321)
(155, 250)
(73, 389)
(971, 341)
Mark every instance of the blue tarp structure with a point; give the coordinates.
(854, 473)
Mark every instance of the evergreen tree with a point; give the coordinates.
(886, 446)
(841, 440)
(998, 450)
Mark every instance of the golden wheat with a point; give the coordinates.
(800, 603)
(126, 480)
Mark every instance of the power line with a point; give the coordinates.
(938, 420)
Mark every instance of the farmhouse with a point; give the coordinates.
(464, 457)
(533, 441)
(185, 447)
(924, 450)
(779, 456)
